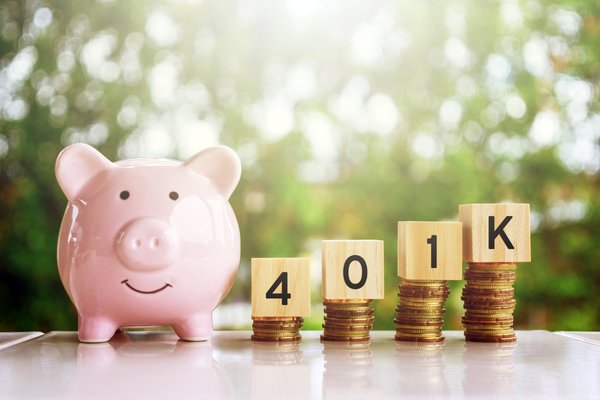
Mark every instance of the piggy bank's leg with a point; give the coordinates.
(94, 329)
(195, 328)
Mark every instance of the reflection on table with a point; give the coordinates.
(421, 369)
(156, 365)
(348, 370)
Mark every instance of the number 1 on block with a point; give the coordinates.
(280, 287)
(432, 240)
(430, 250)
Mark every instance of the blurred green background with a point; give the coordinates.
(348, 116)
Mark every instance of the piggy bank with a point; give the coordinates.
(147, 242)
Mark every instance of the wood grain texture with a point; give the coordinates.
(477, 246)
(335, 254)
(265, 271)
(415, 255)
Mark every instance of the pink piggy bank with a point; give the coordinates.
(147, 242)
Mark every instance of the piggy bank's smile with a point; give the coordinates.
(143, 291)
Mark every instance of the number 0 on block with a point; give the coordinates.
(280, 287)
(352, 269)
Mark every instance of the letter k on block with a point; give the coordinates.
(481, 232)
(493, 233)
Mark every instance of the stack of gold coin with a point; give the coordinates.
(489, 302)
(276, 329)
(420, 311)
(347, 320)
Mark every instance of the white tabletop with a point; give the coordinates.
(588, 337)
(156, 365)
(8, 339)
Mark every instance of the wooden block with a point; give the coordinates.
(280, 287)
(430, 250)
(495, 232)
(352, 269)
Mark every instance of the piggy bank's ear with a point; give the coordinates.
(76, 165)
(219, 164)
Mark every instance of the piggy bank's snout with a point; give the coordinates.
(147, 244)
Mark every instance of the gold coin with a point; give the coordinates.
(421, 322)
(490, 286)
(348, 321)
(349, 317)
(490, 336)
(422, 302)
(367, 326)
(490, 273)
(419, 330)
(337, 332)
(346, 301)
(422, 283)
(276, 328)
(475, 291)
(498, 280)
(345, 320)
(343, 306)
(271, 331)
(421, 286)
(324, 337)
(420, 316)
(418, 339)
(428, 292)
(495, 294)
(488, 320)
(275, 339)
(423, 291)
(495, 328)
(404, 322)
(438, 299)
(415, 299)
(418, 334)
(494, 266)
(487, 317)
(478, 281)
(421, 308)
(498, 332)
(348, 311)
(489, 323)
(276, 333)
(429, 310)
(484, 301)
(403, 336)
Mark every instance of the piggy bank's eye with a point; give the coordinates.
(124, 195)
(173, 195)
